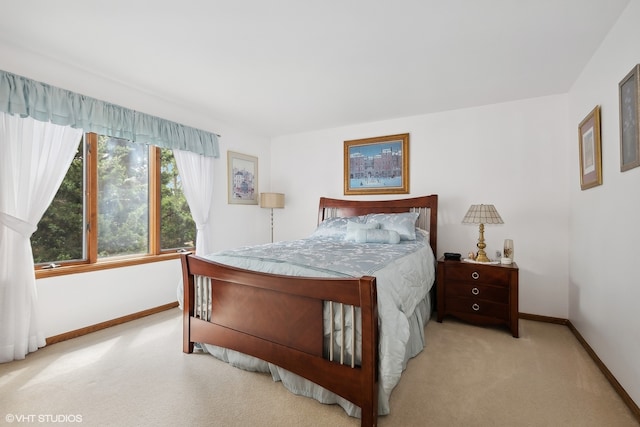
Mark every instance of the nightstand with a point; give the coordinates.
(482, 294)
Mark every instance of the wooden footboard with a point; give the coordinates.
(279, 319)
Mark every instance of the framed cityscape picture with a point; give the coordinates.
(377, 165)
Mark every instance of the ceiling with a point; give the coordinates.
(286, 66)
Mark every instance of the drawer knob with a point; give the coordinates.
(475, 275)
(475, 291)
(475, 307)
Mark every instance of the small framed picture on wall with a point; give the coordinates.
(629, 120)
(243, 179)
(590, 147)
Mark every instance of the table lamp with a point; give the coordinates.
(482, 214)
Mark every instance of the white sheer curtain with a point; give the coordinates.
(196, 172)
(34, 158)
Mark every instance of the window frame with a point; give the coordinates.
(92, 262)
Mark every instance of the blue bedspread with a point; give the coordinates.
(404, 274)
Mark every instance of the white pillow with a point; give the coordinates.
(402, 223)
(377, 236)
(354, 227)
(335, 227)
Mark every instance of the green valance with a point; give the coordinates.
(29, 98)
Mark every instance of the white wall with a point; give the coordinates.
(71, 302)
(604, 287)
(512, 155)
(76, 301)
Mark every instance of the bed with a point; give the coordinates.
(333, 325)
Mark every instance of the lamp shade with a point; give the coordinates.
(482, 214)
(272, 200)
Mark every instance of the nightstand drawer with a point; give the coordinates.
(499, 294)
(479, 307)
(478, 273)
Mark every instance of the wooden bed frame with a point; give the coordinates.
(279, 319)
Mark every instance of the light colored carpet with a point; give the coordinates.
(136, 375)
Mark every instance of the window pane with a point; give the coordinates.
(60, 234)
(123, 197)
(177, 229)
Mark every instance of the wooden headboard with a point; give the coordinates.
(426, 206)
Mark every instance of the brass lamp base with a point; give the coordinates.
(482, 256)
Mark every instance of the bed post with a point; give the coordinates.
(433, 223)
(188, 303)
(369, 310)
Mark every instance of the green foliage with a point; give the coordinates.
(178, 229)
(60, 232)
(123, 197)
(123, 206)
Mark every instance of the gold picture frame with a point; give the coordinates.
(378, 165)
(590, 147)
(242, 181)
(629, 89)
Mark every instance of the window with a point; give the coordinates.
(60, 233)
(177, 229)
(123, 197)
(120, 203)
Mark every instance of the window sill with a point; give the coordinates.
(104, 265)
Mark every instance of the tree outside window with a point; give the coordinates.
(123, 201)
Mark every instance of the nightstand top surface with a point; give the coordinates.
(512, 265)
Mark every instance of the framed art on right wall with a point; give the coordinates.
(629, 131)
(590, 146)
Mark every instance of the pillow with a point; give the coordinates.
(402, 223)
(377, 235)
(354, 227)
(335, 227)
(423, 232)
